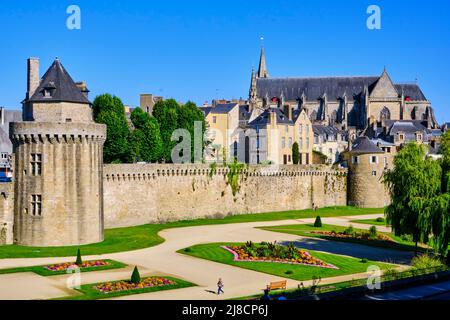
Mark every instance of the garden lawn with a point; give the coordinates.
(42, 271)
(90, 293)
(346, 265)
(134, 238)
(305, 230)
(373, 222)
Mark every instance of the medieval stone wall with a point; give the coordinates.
(140, 194)
(6, 213)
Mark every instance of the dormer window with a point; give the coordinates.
(49, 90)
(419, 137)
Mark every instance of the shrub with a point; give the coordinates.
(364, 260)
(318, 222)
(373, 232)
(380, 219)
(136, 277)
(188, 250)
(289, 272)
(426, 262)
(349, 231)
(79, 261)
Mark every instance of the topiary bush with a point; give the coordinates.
(373, 233)
(380, 219)
(136, 277)
(79, 261)
(318, 222)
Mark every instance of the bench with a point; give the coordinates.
(277, 285)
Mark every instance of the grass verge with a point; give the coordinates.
(42, 271)
(134, 238)
(346, 265)
(304, 230)
(88, 292)
(373, 222)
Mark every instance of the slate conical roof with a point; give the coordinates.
(61, 85)
(363, 145)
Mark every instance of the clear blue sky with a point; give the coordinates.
(200, 50)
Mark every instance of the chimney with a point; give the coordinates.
(83, 88)
(273, 118)
(289, 112)
(33, 76)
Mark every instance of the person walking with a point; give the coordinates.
(220, 286)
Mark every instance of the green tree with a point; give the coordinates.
(295, 153)
(188, 114)
(166, 113)
(318, 222)
(145, 142)
(412, 184)
(445, 151)
(136, 277)
(109, 110)
(79, 261)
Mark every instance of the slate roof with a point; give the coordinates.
(364, 145)
(412, 91)
(315, 87)
(263, 119)
(64, 88)
(320, 130)
(244, 114)
(223, 108)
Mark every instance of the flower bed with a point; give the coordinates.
(276, 254)
(118, 286)
(87, 264)
(358, 236)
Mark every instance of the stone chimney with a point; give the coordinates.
(273, 118)
(83, 88)
(290, 112)
(33, 78)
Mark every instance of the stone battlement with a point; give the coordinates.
(138, 172)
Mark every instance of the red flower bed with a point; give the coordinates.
(358, 236)
(301, 257)
(87, 264)
(118, 286)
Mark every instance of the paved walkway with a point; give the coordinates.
(163, 259)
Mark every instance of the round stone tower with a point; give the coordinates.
(58, 151)
(366, 163)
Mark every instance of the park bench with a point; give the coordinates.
(277, 285)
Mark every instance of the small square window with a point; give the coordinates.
(214, 119)
(374, 173)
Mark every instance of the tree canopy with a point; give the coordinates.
(419, 205)
(109, 110)
(166, 113)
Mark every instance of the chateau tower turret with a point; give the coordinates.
(58, 153)
(366, 163)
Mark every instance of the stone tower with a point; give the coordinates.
(58, 151)
(367, 163)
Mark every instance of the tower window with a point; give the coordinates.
(36, 205)
(355, 159)
(36, 164)
(374, 173)
(373, 159)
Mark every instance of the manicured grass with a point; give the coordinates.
(42, 271)
(305, 230)
(373, 222)
(134, 238)
(346, 265)
(90, 293)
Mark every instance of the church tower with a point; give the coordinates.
(58, 151)
(262, 70)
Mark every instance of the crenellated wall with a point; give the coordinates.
(140, 194)
(6, 213)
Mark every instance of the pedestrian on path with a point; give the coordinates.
(220, 286)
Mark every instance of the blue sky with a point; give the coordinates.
(200, 50)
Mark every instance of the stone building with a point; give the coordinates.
(58, 155)
(343, 102)
(330, 141)
(366, 165)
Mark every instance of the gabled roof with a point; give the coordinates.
(363, 145)
(264, 119)
(63, 88)
(320, 130)
(223, 108)
(314, 88)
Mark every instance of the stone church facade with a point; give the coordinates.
(344, 102)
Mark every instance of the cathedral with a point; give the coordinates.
(347, 103)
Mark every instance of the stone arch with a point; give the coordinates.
(385, 114)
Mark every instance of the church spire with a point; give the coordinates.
(262, 71)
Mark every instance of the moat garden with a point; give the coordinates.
(337, 252)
